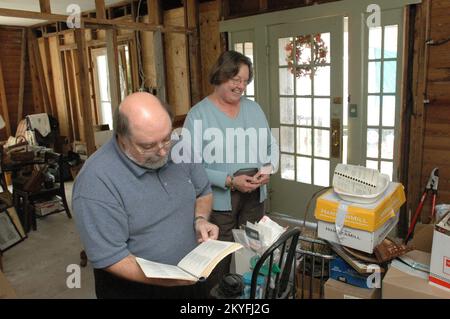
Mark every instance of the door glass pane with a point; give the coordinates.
(387, 168)
(286, 110)
(390, 41)
(324, 51)
(322, 81)
(322, 143)
(250, 89)
(239, 47)
(285, 47)
(304, 111)
(287, 139)
(388, 110)
(304, 169)
(375, 43)
(321, 172)
(372, 143)
(372, 164)
(387, 144)
(287, 166)
(304, 141)
(303, 84)
(374, 77)
(322, 112)
(390, 70)
(373, 110)
(286, 82)
(248, 52)
(303, 49)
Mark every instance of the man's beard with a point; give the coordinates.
(150, 163)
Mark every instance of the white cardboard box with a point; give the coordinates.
(355, 238)
(440, 255)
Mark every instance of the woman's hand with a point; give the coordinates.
(261, 178)
(245, 183)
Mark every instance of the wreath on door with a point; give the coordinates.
(302, 43)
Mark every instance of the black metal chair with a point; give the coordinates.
(24, 198)
(281, 254)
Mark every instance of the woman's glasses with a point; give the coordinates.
(238, 80)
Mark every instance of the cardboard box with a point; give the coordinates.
(6, 290)
(440, 255)
(314, 292)
(423, 237)
(338, 290)
(355, 238)
(48, 207)
(341, 271)
(368, 217)
(401, 285)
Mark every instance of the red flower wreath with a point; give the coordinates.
(301, 43)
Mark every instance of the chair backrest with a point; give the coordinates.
(279, 256)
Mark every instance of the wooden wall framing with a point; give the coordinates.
(61, 80)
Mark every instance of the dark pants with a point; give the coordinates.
(108, 286)
(244, 207)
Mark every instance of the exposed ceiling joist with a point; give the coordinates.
(52, 17)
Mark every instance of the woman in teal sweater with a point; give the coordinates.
(230, 133)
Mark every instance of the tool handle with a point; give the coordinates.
(416, 215)
(433, 206)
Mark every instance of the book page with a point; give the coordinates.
(206, 256)
(157, 270)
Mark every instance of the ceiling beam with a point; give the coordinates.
(52, 17)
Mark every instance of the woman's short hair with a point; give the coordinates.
(227, 66)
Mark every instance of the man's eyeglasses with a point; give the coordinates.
(154, 147)
(238, 80)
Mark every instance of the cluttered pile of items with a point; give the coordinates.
(267, 259)
(357, 216)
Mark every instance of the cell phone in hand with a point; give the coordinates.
(246, 171)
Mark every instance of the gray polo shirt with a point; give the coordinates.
(122, 208)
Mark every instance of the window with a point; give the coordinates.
(381, 98)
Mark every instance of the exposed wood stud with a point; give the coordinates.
(23, 56)
(4, 102)
(45, 6)
(84, 93)
(191, 12)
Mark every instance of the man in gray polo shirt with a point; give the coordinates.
(131, 200)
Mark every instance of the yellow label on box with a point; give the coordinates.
(367, 217)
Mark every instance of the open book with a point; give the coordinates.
(195, 266)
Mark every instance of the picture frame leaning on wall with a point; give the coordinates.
(11, 231)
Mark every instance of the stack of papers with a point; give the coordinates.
(263, 234)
